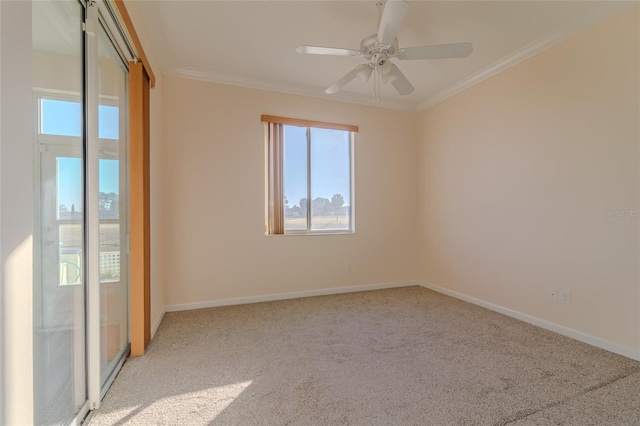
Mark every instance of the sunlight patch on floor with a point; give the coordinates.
(202, 405)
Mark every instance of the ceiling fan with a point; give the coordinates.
(380, 47)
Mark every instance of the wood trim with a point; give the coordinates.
(126, 19)
(147, 212)
(139, 201)
(308, 123)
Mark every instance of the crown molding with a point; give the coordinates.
(549, 40)
(287, 88)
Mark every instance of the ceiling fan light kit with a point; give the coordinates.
(380, 47)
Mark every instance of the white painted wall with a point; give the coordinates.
(16, 219)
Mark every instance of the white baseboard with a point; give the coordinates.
(154, 329)
(548, 325)
(284, 296)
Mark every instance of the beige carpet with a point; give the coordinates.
(405, 356)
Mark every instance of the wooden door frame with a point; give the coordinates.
(139, 203)
(141, 80)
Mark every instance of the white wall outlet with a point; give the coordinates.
(552, 294)
(565, 296)
(349, 268)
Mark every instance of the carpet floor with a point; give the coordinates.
(404, 356)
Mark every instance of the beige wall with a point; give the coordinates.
(516, 174)
(213, 197)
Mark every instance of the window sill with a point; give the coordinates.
(311, 234)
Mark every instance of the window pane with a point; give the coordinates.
(108, 122)
(109, 188)
(69, 188)
(295, 178)
(330, 180)
(109, 194)
(61, 117)
(59, 332)
(112, 184)
(70, 216)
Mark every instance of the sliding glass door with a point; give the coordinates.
(81, 280)
(113, 206)
(60, 385)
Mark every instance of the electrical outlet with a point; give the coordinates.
(565, 296)
(349, 268)
(552, 294)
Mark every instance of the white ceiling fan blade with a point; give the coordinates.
(318, 50)
(392, 17)
(399, 81)
(438, 51)
(346, 79)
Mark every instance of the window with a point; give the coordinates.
(61, 164)
(309, 176)
(63, 118)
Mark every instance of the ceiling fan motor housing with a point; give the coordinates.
(370, 46)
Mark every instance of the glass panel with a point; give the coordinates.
(62, 118)
(330, 179)
(69, 191)
(109, 188)
(114, 282)
(70, 228)
(295, 178)
(59, 290)
(108, 122)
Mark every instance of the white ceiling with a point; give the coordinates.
(252, 43)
